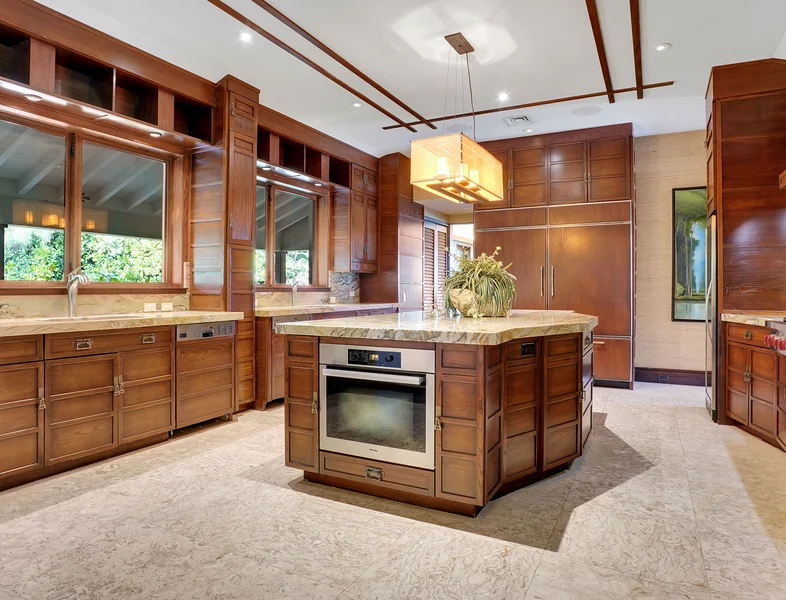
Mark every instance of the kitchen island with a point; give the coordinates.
(439, 411)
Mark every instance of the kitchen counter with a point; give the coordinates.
(312, 309)
(48, 325)
(749, 318)
(437, 327)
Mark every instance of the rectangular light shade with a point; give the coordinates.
(457, 168)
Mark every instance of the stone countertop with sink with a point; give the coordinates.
(47, 325)
(753, 318)
(312, 309)
(419, 326)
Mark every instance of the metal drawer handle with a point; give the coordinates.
(599, 343)
(148, 338)
(315, 403)
(374, 473)
(748, 335)
(83, 344)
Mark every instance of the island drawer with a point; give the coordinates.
(65, 345)
(21, 349)
(747, 334)
(397, 477)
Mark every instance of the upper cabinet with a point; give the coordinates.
(355, 230)
(537, 174)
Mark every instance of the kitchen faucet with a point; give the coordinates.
(74, 279)
(294, 294)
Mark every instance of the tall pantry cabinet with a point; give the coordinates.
(566, 225)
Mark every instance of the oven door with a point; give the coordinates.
(381, 415)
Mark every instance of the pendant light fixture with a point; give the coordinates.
(454, 166)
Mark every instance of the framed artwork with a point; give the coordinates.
(689, 254)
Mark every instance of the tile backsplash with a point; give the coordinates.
(342, 286)
(87, 304)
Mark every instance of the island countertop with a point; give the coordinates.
(420, 326)
(47, 325)
(314, 309)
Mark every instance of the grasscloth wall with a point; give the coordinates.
(663, 162)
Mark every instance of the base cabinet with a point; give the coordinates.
(22, 407)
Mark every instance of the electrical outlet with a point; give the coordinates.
(150, 307)
(167, 307)
(353, 293)
(332, 300)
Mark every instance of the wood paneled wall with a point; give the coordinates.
(400, 275)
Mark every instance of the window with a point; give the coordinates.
(260, 264)
(32, 204)
(292, 216)
(435, 265)
(122, 216)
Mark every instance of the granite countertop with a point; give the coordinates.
(421, 326)
(753, 318)
(311, 309)
(38, 325)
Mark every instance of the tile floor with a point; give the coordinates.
(664, 505)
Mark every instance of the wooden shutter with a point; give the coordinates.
(441, 267)
(428, 269)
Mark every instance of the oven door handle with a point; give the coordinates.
(369, 376)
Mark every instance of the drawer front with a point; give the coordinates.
(21, 349)
(139, 366)
(397, 477)
(204, 355)
(201, 407)
(747, 334)
(146, 421)
(92, 342)
(197, 383)
(612, 359)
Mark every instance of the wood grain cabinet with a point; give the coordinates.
(355, 231)
(301, 403)
(147, 399)
(22, 406)
(780, 403)
(205, 380)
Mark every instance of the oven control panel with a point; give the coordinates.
(372, 358)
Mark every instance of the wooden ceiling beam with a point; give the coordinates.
(305, 60)
(635, 25)
(339, 59)
(499, 109)
(592, 11)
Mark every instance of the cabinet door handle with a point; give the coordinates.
(83, 344)
(598, 343)
(117, 386)
(541, 280)
(552, 281)
(41, 399)
(148, 338)
(315, 403)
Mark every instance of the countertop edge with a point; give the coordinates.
(284, 311)
(758, 319)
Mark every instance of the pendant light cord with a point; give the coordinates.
(471, 100)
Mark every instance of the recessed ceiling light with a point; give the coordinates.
(503, 96)
(245, 37)
(356, 105)
(586, 111)
(33, 97)
(663, 46)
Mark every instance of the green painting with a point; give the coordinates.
(689, 277)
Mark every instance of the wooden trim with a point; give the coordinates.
(489, 111)
(563, 137)
(592, 11)
(305, 60)
(782, 181)
(44, 23)
(672, 376)
(635, 25)
(377, 343)
(335, 56)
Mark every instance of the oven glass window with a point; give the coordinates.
(377, 413)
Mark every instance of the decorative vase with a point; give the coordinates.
(465, 302)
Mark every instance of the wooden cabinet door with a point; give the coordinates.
(372, 186)
(278, 353)
(205, 384)
(21, 418)
(568, 173)
(147, 404)
(780, 403)
(241, 190)
(357, 228)
(526, 250)
(763, 389)
(738, 358)
(609, 170)
(301, 403)
(504, 158)
(372, 228)
(358, 178)
(562, 401)
(82, 398)
(590, 272)
(529, 177)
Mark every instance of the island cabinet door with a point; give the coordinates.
(780, 404)
(522, 402)
(459, 440)
(738, 359)
(21, 418)
(562, 406)
(301, 403)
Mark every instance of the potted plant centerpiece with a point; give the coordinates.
(480, 287)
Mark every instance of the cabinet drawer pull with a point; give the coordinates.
(748, 335)
(41, 399)
(148, 338)
(315, 403)
(374, 473)
(83, 344)
(598, 343)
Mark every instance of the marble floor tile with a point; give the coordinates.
(432, 562)
(6, 595)
(559, 579)
(645, 546)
